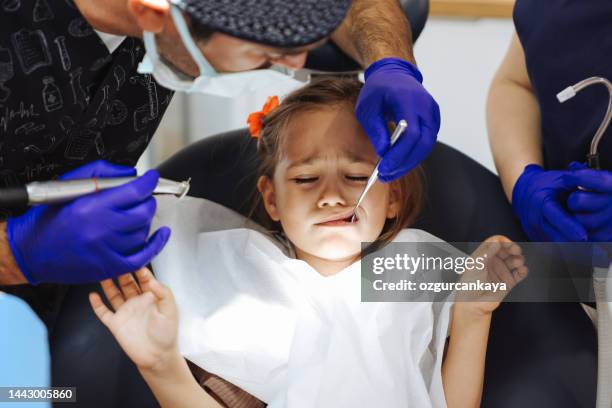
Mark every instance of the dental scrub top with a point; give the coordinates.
(24, 350)
(566, 41)
(69, 95)
(272, 325)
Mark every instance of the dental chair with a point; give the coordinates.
(464, 202)
(467, 206)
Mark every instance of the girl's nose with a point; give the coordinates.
(331, 196)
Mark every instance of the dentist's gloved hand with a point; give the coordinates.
(592, 208)
(392, 92)
(538, 200)
(94, 237)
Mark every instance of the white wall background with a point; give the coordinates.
(458, 58)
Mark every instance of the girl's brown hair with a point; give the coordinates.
(323, 94)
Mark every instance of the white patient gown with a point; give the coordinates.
(276, 328)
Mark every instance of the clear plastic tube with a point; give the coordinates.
(571, 91)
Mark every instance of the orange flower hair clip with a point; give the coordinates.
(255, 119)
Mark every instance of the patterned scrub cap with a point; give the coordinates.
(278, 23)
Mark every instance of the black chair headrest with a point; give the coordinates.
(223, 169)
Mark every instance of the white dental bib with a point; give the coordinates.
(276, 328)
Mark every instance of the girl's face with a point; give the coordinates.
(325, 162)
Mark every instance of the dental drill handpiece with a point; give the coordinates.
(60, 191)
(399, 129)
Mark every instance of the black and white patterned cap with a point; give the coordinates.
(279, 23)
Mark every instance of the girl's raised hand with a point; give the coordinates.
(504, 267)
(145, 318)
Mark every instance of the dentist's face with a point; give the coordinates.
(229, 54)
(225, 53)
(325, 162)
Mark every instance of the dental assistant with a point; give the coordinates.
(74, 104)
(540, 147)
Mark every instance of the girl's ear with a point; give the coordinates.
(150, 15)
(266, 189)
(394, 205)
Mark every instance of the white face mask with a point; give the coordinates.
(209, 81)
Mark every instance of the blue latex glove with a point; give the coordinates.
(94, 237)
(393, 91)
(538, 198)
(592, 208)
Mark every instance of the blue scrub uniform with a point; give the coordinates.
(544, 355)
(566, 41)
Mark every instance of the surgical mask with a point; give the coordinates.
(209, 81)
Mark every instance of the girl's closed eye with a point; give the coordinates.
(357, 178)
(305, 179)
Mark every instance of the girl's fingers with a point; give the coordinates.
(159, 290)
(503, 253)
(145, 277)
(491, 249)
(112, 293)
(166, 303)
(498, 270)
(163, 295)
(128, 285)
(520, 273)
(515, 261)
(510, 249)
(508, 243)
(516, 265)
(104, 313)
(513, 248)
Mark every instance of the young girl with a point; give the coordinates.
(285, 323)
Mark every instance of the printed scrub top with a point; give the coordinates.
(64, 99)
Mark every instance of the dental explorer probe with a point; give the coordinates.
(60, 191)
(399, 129)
